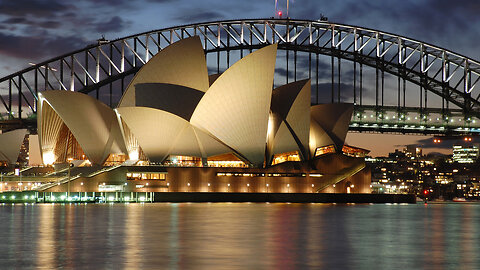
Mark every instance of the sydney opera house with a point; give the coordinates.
(179, 129)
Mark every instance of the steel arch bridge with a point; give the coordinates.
(433, 90)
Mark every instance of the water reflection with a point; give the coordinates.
(240, 236)
(45, 250)
(133, 236)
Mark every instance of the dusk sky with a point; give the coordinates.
(35, 30)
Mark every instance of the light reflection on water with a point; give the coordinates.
(240, 236)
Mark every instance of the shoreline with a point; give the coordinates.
(159, 197)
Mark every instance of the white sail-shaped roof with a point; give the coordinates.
(10, 143)
(236, 107)
(284, 141)
(93, 124)
(290, 118)
(299, 116)
(318, 137)
(182, 63)
(160, 134)
(330, 120)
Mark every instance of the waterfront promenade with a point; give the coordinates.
(132, 197)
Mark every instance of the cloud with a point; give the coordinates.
(36, 8)
(115, 24)
(161, 1)
(324, 92)
(38, 47)
(282, 72)
(196, 15)
(47, 24)
(14, 20)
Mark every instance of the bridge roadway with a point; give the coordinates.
(363, 120)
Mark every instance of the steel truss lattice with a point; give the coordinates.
(103, 68)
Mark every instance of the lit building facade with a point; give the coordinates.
(465, 154)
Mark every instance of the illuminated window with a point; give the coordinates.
(324, 150)
(284, 157)
(146, 176)
(226, 160)
(354, 151)
(183, 161)
(115, 159)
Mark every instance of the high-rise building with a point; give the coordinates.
(412, 150)
(465, 154)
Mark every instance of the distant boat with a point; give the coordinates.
(456, 199)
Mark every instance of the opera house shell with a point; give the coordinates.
(174, 114)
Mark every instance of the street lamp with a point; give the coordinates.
(228, 187)
(288, 188)
(248, 187)
(70, 165)
(267, 188)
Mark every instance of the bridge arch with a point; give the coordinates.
(103, 70)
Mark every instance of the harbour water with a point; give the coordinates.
(240, 236)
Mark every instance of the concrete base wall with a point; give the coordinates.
(122, 197)
(283, 197)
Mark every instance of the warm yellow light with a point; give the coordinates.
(270, 126)
(48, 158)
(133, 155)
